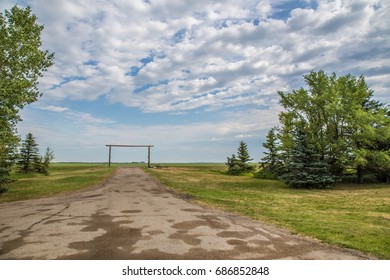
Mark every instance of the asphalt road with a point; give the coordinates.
(131, 216)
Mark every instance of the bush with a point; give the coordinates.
(3, 189)
(353, 179)
(264, 174)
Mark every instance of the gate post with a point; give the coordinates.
(129, 146)
(149, 156)
(109, 156)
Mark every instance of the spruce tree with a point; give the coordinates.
(43, 164)
(271, 162)
(242, 153)
(233, 165)
(5, 167)
(239, 164)
(29, 159)
(306, 169)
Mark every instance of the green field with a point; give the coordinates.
(64, 177)
(351, 216)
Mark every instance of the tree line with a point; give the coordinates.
(22, 62)
(29, 161)
(329, 131)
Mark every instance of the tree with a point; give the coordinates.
(272, 161)
(29, 160)
(306, 169)
(239, 164)
(22, 62)
(233, 165)
(340, 118)
(44, 163)
(377, 150)
(242, 153)
(5, 165)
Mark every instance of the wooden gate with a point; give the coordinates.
(128, 146)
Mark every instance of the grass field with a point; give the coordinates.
(350, 216)
(64, 177)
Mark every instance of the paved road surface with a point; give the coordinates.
(133, 217)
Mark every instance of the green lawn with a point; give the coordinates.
(64, 177)
(350, 216)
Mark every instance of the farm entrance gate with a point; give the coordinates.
(128, 146)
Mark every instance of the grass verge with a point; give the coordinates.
(64, 177)
(351, 216)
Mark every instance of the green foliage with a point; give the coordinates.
(347, 129)
(264, 174)
(8, 144)
(306, 169)
(271, 163)
(239, 164)
(29, 160)
(44, 163)
(22, 62)
(5, 167)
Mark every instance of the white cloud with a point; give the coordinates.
(205, 56)
(264, 9)
(220, 42)
(52, 108)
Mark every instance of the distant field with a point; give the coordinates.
(64, 177)
(350, 216)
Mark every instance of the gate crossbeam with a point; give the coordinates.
(128, 146)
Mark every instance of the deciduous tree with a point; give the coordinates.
(343, 123)
(22, 62)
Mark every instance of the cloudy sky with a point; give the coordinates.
(191, 77)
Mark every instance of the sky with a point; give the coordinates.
(192, 78)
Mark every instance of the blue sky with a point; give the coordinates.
(191, 77)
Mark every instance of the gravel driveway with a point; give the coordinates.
(131, 216)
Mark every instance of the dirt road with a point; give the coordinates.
(131, 216)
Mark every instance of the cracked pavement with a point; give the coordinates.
(131, 216)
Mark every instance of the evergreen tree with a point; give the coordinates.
(242, 153)
(271, 162)
(29, 159)
(306, 169)
(233, 165)
(43, 164)
(5, 167)
(239, 164)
